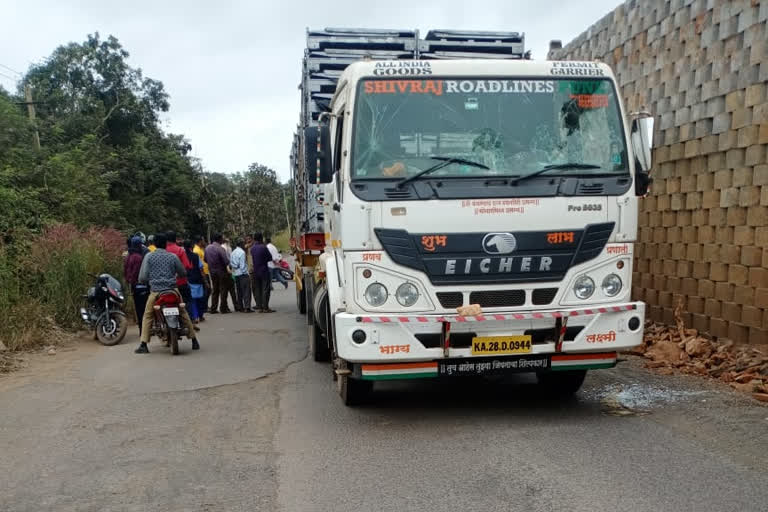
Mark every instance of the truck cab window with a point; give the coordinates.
(514, 127)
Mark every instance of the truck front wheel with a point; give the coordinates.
(318, 344)
(301, 300)
(353, 391)
(561, 384)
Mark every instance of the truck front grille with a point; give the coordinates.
(450, 299)
(498, 298)
(542, 296)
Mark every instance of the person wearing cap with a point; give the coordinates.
(131, 268)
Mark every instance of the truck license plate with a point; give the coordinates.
(495, 345)
(171, 311)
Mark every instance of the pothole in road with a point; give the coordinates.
(638, 399)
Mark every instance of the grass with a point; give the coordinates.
(43, 278)
(282, 241)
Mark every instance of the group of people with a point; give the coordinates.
(204, 275)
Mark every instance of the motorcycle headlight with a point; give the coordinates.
(407, 294)
(376, 294)
(584, 287)
(612, 285)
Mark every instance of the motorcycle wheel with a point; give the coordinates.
(111, 328)
(173, 340)
(287, 274)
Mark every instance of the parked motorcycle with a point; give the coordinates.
(104, 310)
(167, 324)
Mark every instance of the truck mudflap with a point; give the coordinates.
(482, 366)
(541, 335)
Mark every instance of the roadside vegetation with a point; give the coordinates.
(93, 167)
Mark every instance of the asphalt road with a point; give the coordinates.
(250, 424)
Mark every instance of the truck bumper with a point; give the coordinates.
(561, 339)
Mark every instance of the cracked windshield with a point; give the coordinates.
(508, 127)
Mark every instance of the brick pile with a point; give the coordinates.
(701, 67)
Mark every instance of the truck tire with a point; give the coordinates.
(301, 300)
(561, 384)
(318, 344)
(309, 300)
(354, 391)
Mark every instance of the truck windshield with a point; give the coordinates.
(514, 127)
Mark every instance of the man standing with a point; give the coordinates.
(199, 249)
(261, 279)
(160, 269)
(233, 288)
(274, 269)
(218, 263)
(239, 267)
(172, 247)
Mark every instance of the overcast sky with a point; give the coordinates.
(232, 68)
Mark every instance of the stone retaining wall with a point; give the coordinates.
(701, 67)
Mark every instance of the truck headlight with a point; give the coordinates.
(376, 294)
(407, 294)
(612, 285)
(584, 287)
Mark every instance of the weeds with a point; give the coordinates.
(43, 277)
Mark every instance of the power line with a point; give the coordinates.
(10, 77)
(10, 69)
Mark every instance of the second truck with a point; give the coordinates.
(463, 210)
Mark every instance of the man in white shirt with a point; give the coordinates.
(239, 265)
(274, 265)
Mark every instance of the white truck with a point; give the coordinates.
(478, 215)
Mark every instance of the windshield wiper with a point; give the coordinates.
(444, 162)
(566, 166)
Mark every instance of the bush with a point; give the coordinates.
(44, 276)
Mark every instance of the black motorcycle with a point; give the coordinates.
(104, 310)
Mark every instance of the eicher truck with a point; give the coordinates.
(463, 210)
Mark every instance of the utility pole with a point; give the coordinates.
(31, 112)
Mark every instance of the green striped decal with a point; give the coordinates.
(398, 376)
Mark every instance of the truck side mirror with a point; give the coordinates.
(641, 138)
(317, 157)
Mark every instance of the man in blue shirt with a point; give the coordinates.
(239, 265)
(261, 278)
